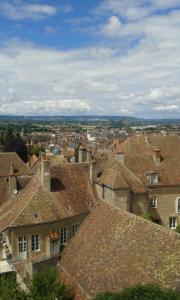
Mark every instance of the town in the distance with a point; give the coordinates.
(96, 198)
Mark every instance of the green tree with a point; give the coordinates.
(44, 285)
(35, 150)
(11, 141)
(141, 292)
(9, 289)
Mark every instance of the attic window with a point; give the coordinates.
(153, 178)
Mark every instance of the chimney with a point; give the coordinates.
(83, 155)
(45, 172)
(157, 156)
(93, 172)
(89, 156)
(80, 154)
(12, 180)
(120, 157)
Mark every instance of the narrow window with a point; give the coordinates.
(35, 242)
(75, 229)
(22, 244)
(172, 222)
(178, 205)
(63, 236)
(153, 203)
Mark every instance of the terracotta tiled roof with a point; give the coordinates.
(71, 195)
(6, 159)
(116, 175)
(139, 157)
(112, 179)
(4, 191)
(115, 249)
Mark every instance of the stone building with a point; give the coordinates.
(38, 221)
(143, 176)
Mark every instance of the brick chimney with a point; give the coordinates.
(45, 172)
(157, 156)
(12, 180)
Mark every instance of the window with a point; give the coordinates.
(153, 203)
(22, 244)
(178, 205)
(153, 179)
(35, 242)
(172, 223)
(63, 236)
(75, 229)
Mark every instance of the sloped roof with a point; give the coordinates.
(115, 249)
(6, 158)
(139, 159)
(116, 175)
(71, 195)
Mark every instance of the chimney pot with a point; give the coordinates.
(45, 172)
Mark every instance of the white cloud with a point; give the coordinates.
(135, 9)
(19, 10)
(166, 107)
(113, 26)
(142, 80)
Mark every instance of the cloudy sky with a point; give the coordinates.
(79, 57)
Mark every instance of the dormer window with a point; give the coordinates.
(153, 178)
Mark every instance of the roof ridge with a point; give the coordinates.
(134, 175)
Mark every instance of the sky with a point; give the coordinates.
(90, 57)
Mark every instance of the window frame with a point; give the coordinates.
(63, 236)
(153, 179)
(153, 201)
(22, 244)
(178, 205)
(171, 222)
(35, 242)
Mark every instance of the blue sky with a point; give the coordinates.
(106, 57)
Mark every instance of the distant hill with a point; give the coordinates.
(127, 120)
